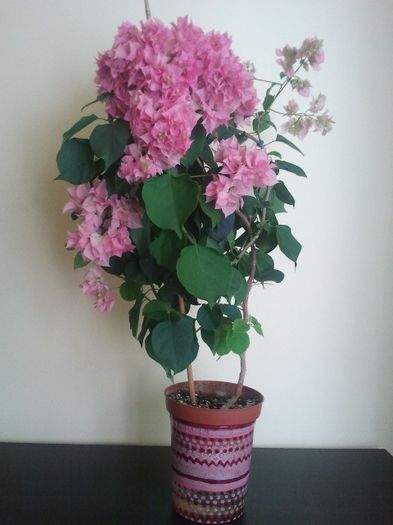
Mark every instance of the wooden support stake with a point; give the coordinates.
(190, 376)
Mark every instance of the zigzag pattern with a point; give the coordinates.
(212, 440)
(201, 462)
(207, 507)
(189, 446)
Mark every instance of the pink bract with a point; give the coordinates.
(162, 80)
(93, 285)
(292, 107)
(103, 231)
(243, 169)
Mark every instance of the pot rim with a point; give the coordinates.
(223, 417)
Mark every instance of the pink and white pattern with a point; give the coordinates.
(210, 470)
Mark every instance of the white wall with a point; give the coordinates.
(325, 364)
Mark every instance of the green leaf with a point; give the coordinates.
(153, 272)
(239, 325)
(133, 272)
(166, 249)
(284, 140)
(209, 210)
(287, 242)
(207, 241)
(208, 319)
(114, 184)
(133, 314)
(225, 132)
(261, 122)
(267, 241)
(170, 200)
(129, 290)
(198, 137)
(256, 325)
(79, 261)
(75, 162)
(288, 166)
(270, 275)
(207, 156)
(283, 193)
(220, 337)
(157, 310)
(275, 154)
(141, 236)
(204, 273)
(208, 337)
(100, 98)
(152, 355)
(231, 311)
(78, 126)
(174, 343)
(275, 204)
(171, 290)
(109, 140)
(224, 228)
(250, 205)
(237, 342)
(147, 324)
(264, 263)
(269, 99)
(238, 287)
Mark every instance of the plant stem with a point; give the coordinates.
(300, 115)
(266, 200)
(287, 81)
(268, 81)
(253, 239)
(190, 377)
(246, 247)
(243, 364)
(147, 10)
(188, 235)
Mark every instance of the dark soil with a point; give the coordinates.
(213, 401)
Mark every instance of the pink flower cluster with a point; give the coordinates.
(243, 169)
(310, 53)
(94, 285)
(299, 124)
(162, 80)
(103, 230)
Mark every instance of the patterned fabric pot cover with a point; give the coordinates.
(211, 456)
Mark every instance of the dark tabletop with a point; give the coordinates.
(90, 484)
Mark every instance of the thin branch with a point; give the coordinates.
(147, 10)
(287, 81)
(154, 291)
(267, 198)
(243, 364)
(246, 247)
(190, 376)
(300, 115)
(188, 235)
(267, 81)
(253, 239)
(246, 315)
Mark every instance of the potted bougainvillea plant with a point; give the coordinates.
(177, 192)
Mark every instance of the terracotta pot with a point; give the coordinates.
(211, 454)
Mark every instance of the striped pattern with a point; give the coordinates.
(210, 470)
